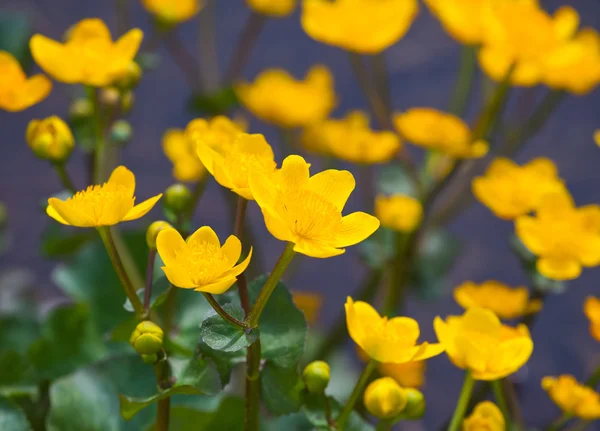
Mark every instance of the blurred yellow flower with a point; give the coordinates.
(408, 374)
(50, 139)
(307, 211)
(510, 190)
(272, 8)
(463, 19)
(384, 398)
(218, 132)
(399, 212)
(277, 97)
(486, 416)
(17, 92)
(181, 151)
(102, 205)
(597, 137)
(89, 56)
(390, 341)
(362, 26)
(352, 139)
(572, 397)
(231, 165)
(506, 302)
(173, 11)
(309, 303)
(592, 311)
(564, 237)
(200, 262)
(478, 341)
(439, 131)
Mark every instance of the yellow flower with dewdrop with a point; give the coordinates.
(572, 397)
(173, 11)
(17, 92)
(200, 262)
(181, 151)
(89, 56)
(272, 8)
(307, 211)
(102, 205)
(362, 26)
(479, 342)
(50, 139)
(591, 309)
(486, 416)
(399, 212)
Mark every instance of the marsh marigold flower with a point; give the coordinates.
(173, 12)
(362, 26)
(479, 342)
(102, 205)
(384, 398)
(592, 311)
(486, 416)
(181, 151)
(462, 19)
(50, 139)
(272, 8)
(563, 237)
(572, 397)
(399, 212)
(277, 97)
(307, 211)
(200, 262)
(17, 92)
(439, 131)
(510, 190)
(89, 56)
(386, 340)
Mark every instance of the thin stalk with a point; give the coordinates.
(163, 408)
(398, 269)
(100, 146)
(558, 423)
(327, 410)
(242, 284)
(217, 307)
(513, 405)
(501, 400)
(592, 382)
(184, 60)
(64, 177)
(149, 277)
(463, 402)
(207, 48)
(382, 79)
(245, 44)
(356, 393)
(252, 391)
(464, 80)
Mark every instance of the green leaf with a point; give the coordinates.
(217, 103)
(219, 334)
(15, 31)
(191, 308)
(282, 389)
(224, 361)
(315, 413)
(18, 332)
(15, 368)
(60, 242)
(293, 422)
(12, 417)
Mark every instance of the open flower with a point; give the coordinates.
(572, 397)
(591, 309)
(362, 26)
(89, 56)
(272, 8)
(439, 131)
(17, 92)
(399, 212)
(386, 340)
(173, 11)
(200, 262)
(506, 302)
(462, 19)
(307, 211)
(277, 97)
(479, 342)
(181, 151)
(102, 205)
(510, 190)
(564, 237)
(486, 416)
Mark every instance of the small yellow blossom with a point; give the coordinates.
(572, 397)
(362, 26)
(231, 166)
(478, 341)
(181, 151)
(408, 375)
(307, 211)
(147, 338)
(277, 97)
(399, 212)
(510, 190)
(200, 262)
(384, 398)
(309, 303)
(17, 92)
(352, 139)
(89, 56)
(439, 131)
(463, 19)
(173, 11)
(102, 205)
(272, 8)
(390, 341)
(486, 416)
(564, 237)
(506, 302)
(592, 311)
(50, 139)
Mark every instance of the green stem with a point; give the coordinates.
(356, 393)
(383, 426)
(242, 284)
(163, 408)
(65, 179)
(398, 268)
(183, 59)
(464, 80)
(149, 277)
(382, 80)
(327, 409)
(463, 402)
(217, 307)
(592, 382)
(252, 395)
(558, 423)
(501, 400)
(246, 42)
(100, 146)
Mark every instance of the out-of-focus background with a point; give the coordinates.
(422, 68)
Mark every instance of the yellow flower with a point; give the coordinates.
(478, 341)
(408, 375)
(272, 8)
(307, 211)
(362, 26)
(592, 311)
(231, 166)
(50, 139)
(200, 262)
(486, 416)
(89, 56)
(463, 19)
(17, 92)
(277, 97)
(309, 303)
(564, 237)
(352, 139)
(506, 302)
(173, 11)
(510, 190)
(399, 212)
(572, 397)
(218, 132)
(181, 151)
(102, 205)
(390, 341)
(439, 131)
(384, 398)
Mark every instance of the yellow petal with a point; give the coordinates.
(170, 244)
(56, 216)
(71, 216)
(36, 89)
(334, 186)
(50, 56)
(314, 249)
(179, 277)
(509, 357)
(427, 350)
(276, 226)
(121, 176)
(354, 228)
(481, 320)
(359, 316)
(294, 172)
(128, 45)
(115, 210)
(217, 287)
(207, 156)
(232, 249)
(221, 174)
(566, 21)
(89, 28)
(205, 234)
(238, 269)
(559, 268)
(531, 234)
(244, 192)
(142, 208)
(263, 190)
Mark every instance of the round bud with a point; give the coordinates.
(147, 338)
(384, 398)
(121, 132)
(316, 376)
(50, 139)
(150, 359)
(153, 230)
(127, 101)
(131, 77)
(80, 110)
(415, 404)
(177, 198)
(110, 96)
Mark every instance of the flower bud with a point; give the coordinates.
(384, 398)
(415, 404)
(150, 359)
(80, 110)
(316, 376)
(50, 139)
(131, 77)
(147, 338)
(110, 96)
(153, 230)
(121, 132)
(177, 198)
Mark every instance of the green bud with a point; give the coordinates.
(131, 77)
(316, 376)
(415, 404)
(3, 215)
(121, 132)
(150, 359)
(177, 198)
(153, 230)
(147, 338)
(127, 101)
(110, 96)
(80, 110)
